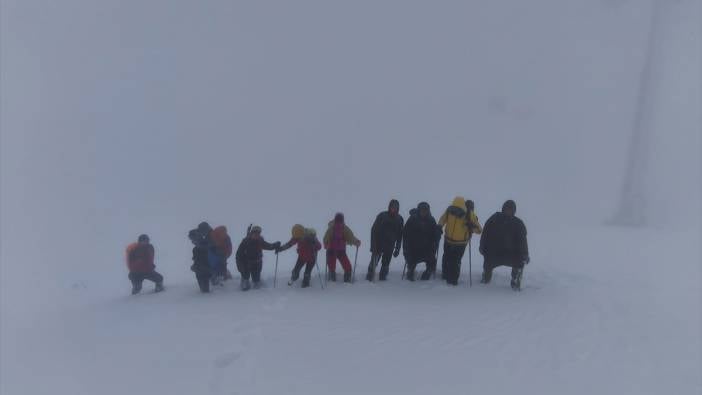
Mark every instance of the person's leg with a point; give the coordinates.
(296, 269)
(411, 266)
(371, 266)
(137, 279)
(157, 279)
(203, 281)
(307, 275)
(455, 253)
(385, 265)
(256, 268)
(488, 267)
(331, 264)
(444, 262)
(517, 271)
(431, 267)
(346, 264)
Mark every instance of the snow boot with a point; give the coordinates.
(159, 287)
(245, 284)
(136, 288)
(426, 275)
(257, 285)
(485, 279)
(305, 281)
(332, 276)
(347, 277)
(370, 276)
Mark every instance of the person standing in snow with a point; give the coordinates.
(215, 259)
(337, 236)
(421, 241)
(504, 243)
(249, 257)
(201, 262)
(386, 240)
(223, 249)
(459, 222)
(307, 248)
(140, 262)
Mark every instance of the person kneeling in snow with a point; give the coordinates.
(307, 247)
(201, 262)
(504, 243)
(249, 257)
(336, 238)
(140, 262)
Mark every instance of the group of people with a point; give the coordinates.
(503, 242)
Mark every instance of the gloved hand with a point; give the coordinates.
(357, 243)
(396, 253)
(276, 246)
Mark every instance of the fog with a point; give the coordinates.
(123, 117)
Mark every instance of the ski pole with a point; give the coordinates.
(470, 264)
(319, 273)
(275, 276)
(353, 273)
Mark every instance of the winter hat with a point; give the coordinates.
(298, 231)
(339, 217)
(423, 206)
(204, 227)
(394, 203)
(509, 205)
(255, 229)
(143, 238)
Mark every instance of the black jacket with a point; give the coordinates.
(201, 263)
(505, 238)
(386, 233)
(251, 250)
(421, 237)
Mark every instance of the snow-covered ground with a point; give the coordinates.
(604, 311)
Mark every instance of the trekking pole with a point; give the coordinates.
(275, 276)
(470, 264)
(319, 274)
(353, 273)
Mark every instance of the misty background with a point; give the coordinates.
(120, 118)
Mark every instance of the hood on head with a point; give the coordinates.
(339, 217)
(459, 202)
(394, 203)
(298, 231)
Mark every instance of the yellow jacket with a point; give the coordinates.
(458, 226)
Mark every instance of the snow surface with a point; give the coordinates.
(119, 118)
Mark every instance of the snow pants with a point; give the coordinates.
(413, 262)
(384, 257)
(451, 262)
(332, 256)
(298, 266)
(138, 278)
(250, 269)
(490, 263)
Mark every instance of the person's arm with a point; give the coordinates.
(398, 237)
(287, 245)
(444, 218)
(151, 255)
(475, 224)
(485, 236)
(374, 233)
(240, 251)
(327, 237)
(350, 237)
(269, 246)
(523, 245)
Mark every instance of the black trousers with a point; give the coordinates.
(250, 269)
(298, 266)
(490, 263)
(203, 281)
(384, 257)
(451, 262)
(430, 261)
(138, 278)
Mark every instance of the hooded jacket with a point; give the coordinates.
(421, 236)
(504, 238)
(337, 236)
(386, 232)
(251, 250)
(459, 225)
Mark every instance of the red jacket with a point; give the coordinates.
(306, 248)
(140, 258)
